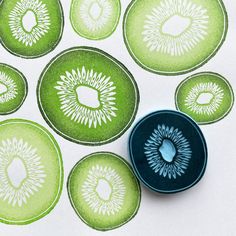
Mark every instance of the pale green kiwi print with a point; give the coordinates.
(104, 191)
(13, 89)
(87, 96)
(31, 172)
(207, 97)
(30, 28)
(172, 37)
(95, 19)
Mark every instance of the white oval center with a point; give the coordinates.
(95, 10)
(176, 25)
(88, 96)
(205, 98)
(17, 172)
(103, 189)
(3, 88)
(167, 150)
(29, 21)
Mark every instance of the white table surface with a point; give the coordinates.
(207, 209)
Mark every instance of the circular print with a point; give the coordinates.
(104, 191)
(95, 19)
(13, 89)
(31, 172)
(30, 28)
(173, 37)
(87, 96)
(207, 97)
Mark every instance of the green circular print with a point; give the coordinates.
(13, 89)
(172, 37)
(207, 97)
(31, 172)
(104, 191)
(95, 19)
(87, 96)
(30, 28)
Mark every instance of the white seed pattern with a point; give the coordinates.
(98, 205)
(99, 22)
(180, 163)
(207, 109)
(169, 44)
(80, 113)
(11, 86)
(10, 149)
(42, 17)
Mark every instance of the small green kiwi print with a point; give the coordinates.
(207, 97)
(104, 191)
(13, 89)
(95, 19)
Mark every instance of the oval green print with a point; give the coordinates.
(87, 96)
(207, 97)
(31, 172)
(172, 37)
(13, 89)
(30, 28)
(104, 191)
(95, 19)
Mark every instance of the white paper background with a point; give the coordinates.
(207, 209)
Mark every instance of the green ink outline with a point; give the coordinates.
(128, 166)
(175, 73)
(60, 161)
(26, 90)
(213, 74)
(120, 65)
(49, 50)
(96, 38)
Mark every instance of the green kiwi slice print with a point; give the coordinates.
(95, 19)
(172, 37)
(31, 172)
(104, 191)
(87, 96)
(30, 28)
(207, 97)
(13, 89)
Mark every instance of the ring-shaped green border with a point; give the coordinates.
(122, 67)
(207, 73)
(95, 38)
(128, 166)
(175, 73)
(46, 52)
(54, 142)
(26, 89)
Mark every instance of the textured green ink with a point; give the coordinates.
(104, 191)
(31, 172)
(30, 28)
(172, 37)
(87, 96)
(95, 19)
(207, 97)
(13, 89)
